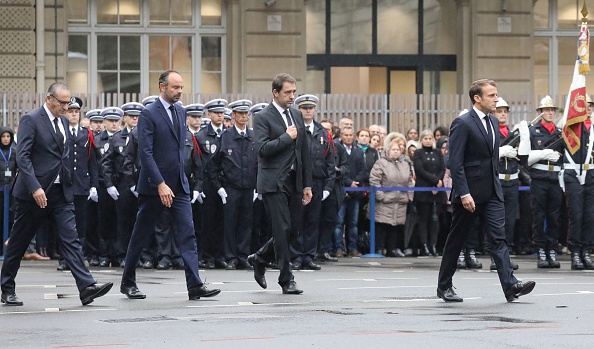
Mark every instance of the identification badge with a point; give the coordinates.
(121, 149)
(230, 151)
(213, 148)
(7, 173)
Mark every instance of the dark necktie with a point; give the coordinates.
(58, 133)
(309, 127)
(174, 118)
(489, 132)
(73, 132)
(288, 115)
(219, 131)
(242, 133)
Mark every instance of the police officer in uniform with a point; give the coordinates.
(578, 180)
(118, 185)
(304, 246)
(84, 170)
(545, 193)
(209, 140)
(232, 172)
(107, 205)
(509, 170)
(228, 118)
(92, 246)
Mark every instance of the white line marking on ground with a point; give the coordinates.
(381, 287)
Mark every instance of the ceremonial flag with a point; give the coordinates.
(575, 112)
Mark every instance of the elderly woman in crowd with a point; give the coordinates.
(390, 206)
(429, 171)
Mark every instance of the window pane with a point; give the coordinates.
(187, 78)
(567, 13)
(154, 82)
(541, 15)
(159, 12)
(130, 52)
(314, 81)
(107, 11)
(107, 82)
(397, 23)
(107, 53)
(315, 22)
(129, 12)
(159, 53)
(130, 82)
(78, 64)
(211, 12)
(567, 57)
(76, 12)
(181, 12)
(211, 54)
(181, 55)
(439, 82)
(403, 82)
(211, 83)
(541, 66)
(351, 26)
(439, 33)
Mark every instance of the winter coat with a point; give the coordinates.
(429, 170)
(390, 206)
(8, 162)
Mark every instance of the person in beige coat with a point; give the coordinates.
(390, 206)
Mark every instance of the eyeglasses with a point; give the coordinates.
(62, 103)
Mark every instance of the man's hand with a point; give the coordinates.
(113, 192)
(223, 194)
(292, 131)
(166, 194)
(40, 199)
(93, 194)
(354, 184)
(468, 203)
(307, 195)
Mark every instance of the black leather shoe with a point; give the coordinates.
(104, 264)
(163, 266)
(123, 263)
(231, 266)
(296, 266)
(311, 266)
(201, 264)
(202, 291)
(94, 262)
(243, 265)
(132, 292)
(94, 291)
(11, 299)
(448, 295)
(220, 265)
(328, 258)
(62, 266)
(148, 265)
(291, 288)
(259, 270)
(519, 289)
(209, 265)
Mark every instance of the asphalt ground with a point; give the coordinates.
(354, 303)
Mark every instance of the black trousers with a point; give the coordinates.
(28, 217)
(512, 203)
(580, 209)
(261, 229)
(92, 244)
(328, 218)
(167, 248)
(304, 245)
(284, 210)
(546, 199)
(107, 214)
(491, 215)
(127, 208)
(428, 223)
(239, 212)
(212, 226)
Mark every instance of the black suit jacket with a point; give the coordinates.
(277, 151)
(41, 157)
(472, 162)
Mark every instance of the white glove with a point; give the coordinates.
(113, 192)
(553, 157)
(524, 147)
(325, 194)
(201, 197)
(195, 195)
(93, 194)
(507, 151)
(538, 155)
(133, 190)
(259, 196)
(255, 196)
(223, 194)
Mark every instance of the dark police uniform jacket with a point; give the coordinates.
(83, 160)
(112, 163)
(540, 139)
(101, 147)
(508, 166)
(322, 156)
(235, 164)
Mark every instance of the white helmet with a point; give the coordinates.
(546, 102)
(502, 103)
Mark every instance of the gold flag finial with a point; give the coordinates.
(584, 43)
(584, 12)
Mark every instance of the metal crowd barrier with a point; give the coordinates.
(372, 190)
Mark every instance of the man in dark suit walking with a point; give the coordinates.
(43, 191)
(284, 178)
(476, 192)
(162, 184)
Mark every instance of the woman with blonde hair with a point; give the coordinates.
(429, 171)
(390, 206)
